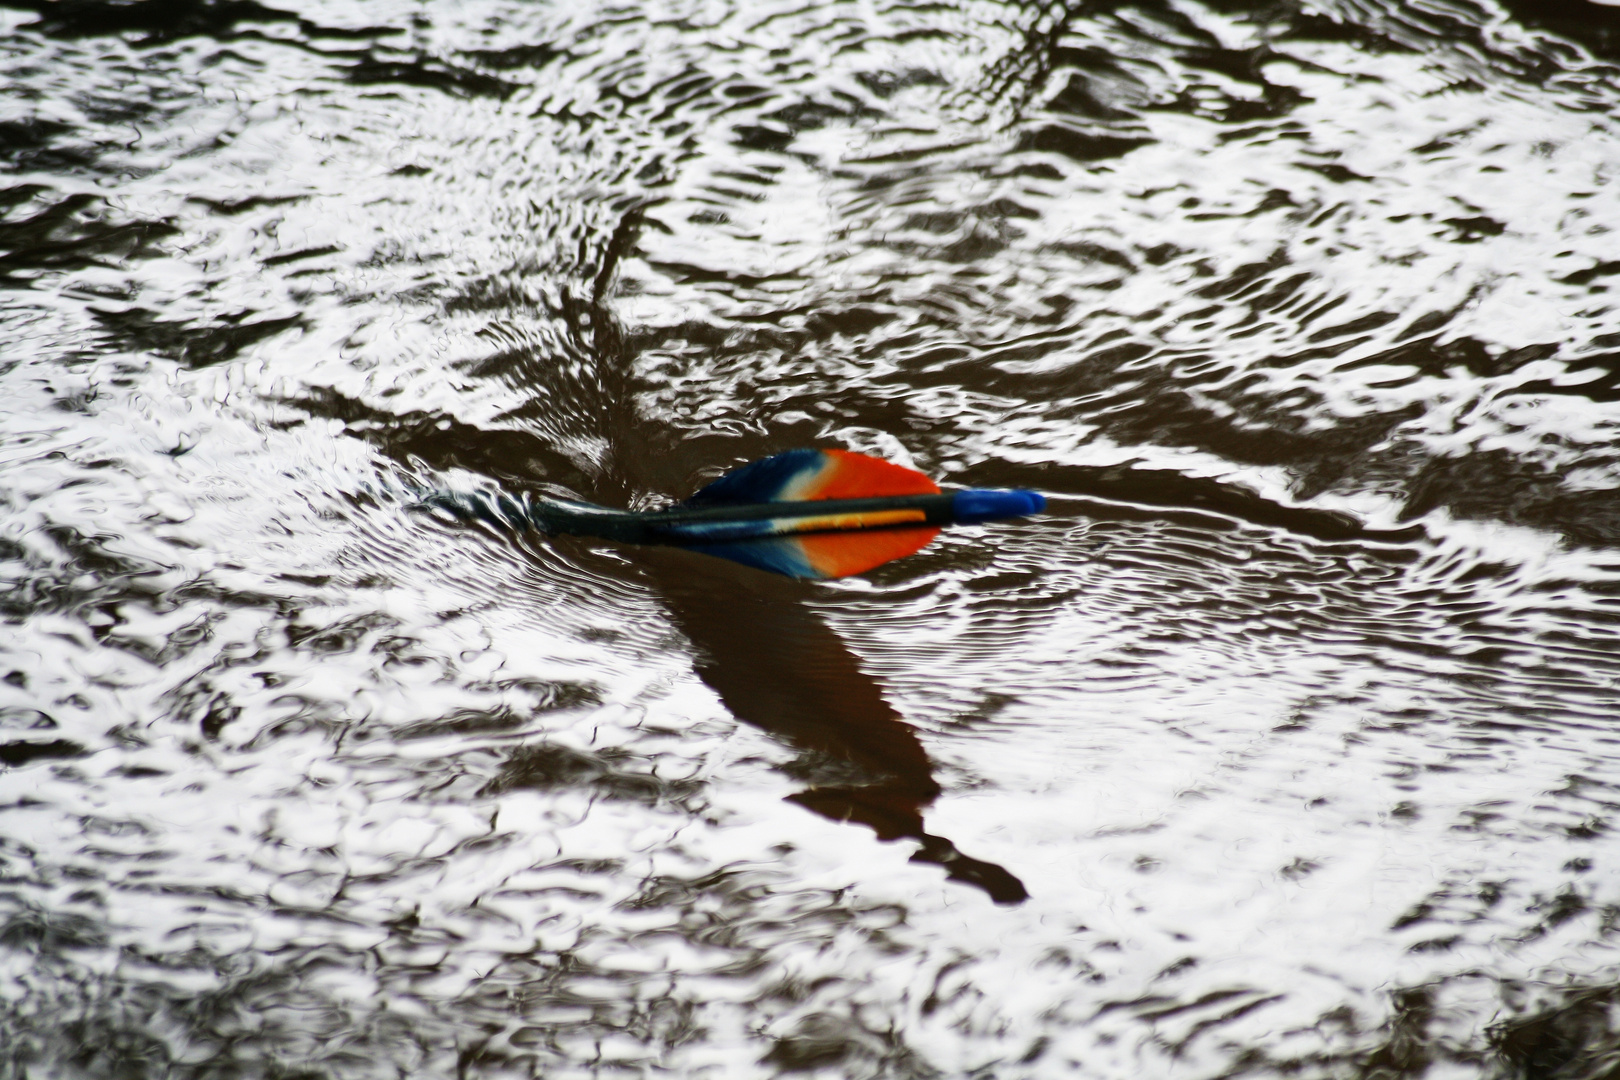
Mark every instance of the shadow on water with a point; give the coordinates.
(777, 666)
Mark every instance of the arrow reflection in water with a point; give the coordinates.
(776, 665)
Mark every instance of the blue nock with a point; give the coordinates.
(979, 504)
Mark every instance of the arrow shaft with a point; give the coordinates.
(683, 526)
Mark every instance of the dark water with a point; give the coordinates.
(1287, 745)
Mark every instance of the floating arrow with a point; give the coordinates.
(803, 513)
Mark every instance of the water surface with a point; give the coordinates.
(1283, 746)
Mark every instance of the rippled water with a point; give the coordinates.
(1284, 745)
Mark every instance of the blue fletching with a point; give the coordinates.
(979, 504)
(779, 555)
(758, 481)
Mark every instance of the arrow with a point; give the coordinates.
(803, 513)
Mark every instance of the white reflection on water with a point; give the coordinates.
(300, 782)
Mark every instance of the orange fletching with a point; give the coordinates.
(848, 475)
(836, 555)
